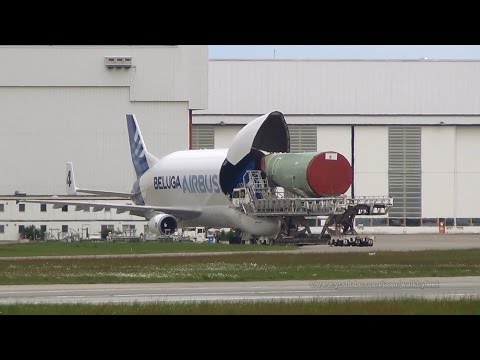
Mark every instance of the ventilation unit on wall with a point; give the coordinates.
(118, 62)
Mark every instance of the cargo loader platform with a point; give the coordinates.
(255, 196)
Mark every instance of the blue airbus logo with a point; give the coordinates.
(188, 183)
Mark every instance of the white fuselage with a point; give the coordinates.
(190, 179)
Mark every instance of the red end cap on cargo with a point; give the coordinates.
(329, 173)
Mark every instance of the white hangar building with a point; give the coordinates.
(410, 129)
(68, 103)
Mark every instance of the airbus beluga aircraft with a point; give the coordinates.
(238, 187)
(234, 187)
(193, 187)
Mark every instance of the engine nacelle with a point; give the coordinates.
(163, 224)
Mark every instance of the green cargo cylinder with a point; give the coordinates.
(309, 174)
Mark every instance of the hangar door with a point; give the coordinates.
(203, 137)
(405, 171)
(303, 138)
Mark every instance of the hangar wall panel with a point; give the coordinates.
(197, 82)
(405, 170)
(85, 125)
(438, 166)
(203, 137)
(467, 196)
(166, 75)
(62, 66)
(371, 184)
(335, 138)
(371, 160)
(343, 87)
(295, 119)
(303, 138)
(158, 73)
(467, 168)
(438, 149)
(438, 195)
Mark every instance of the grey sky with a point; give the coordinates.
(344, 51)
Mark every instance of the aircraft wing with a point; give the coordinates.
(105, 193)
(138, 210)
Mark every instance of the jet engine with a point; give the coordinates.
(163, 224)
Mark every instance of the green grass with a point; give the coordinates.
(243, 267)
(313, 307)
(102, 248)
